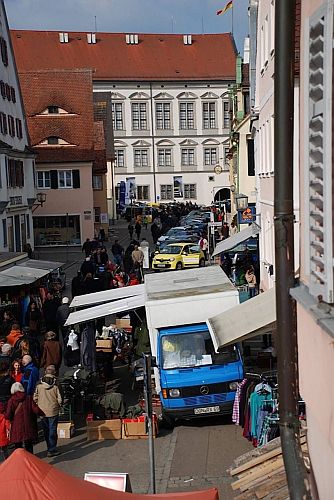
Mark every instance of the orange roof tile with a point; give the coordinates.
(156, 57)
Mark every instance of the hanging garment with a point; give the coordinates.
(255, 401)
(87, 347)
(236, 413)
(73, 341)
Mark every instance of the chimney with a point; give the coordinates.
(91, 38)
(187, 39)
(131, 39)
(63, 37)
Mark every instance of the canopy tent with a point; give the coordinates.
(236, 239)
(23, 475)
(256, 316)
(41, 264)
(18, 275)
(92, 313)
(107, 296)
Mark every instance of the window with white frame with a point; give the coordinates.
(163, 115)
(190, 191)
(117, 115)
(165, 157)
(226, 113)
(166, 191)
(187, 157)
(226, 165)
(143, 193)
(209, 114)
(187, 115)
(139, 115)
(65, 179)
(43, 179)
(318, 165)
(119, 157)
(141, 157)
(210, 156)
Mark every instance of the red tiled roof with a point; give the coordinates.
(156, 57)
(70, 90)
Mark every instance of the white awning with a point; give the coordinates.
(18, 275)
(41, 264)
(105, 310)
(91, 299)
(256, 316)
(236, 239)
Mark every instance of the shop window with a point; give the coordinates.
(57, 230)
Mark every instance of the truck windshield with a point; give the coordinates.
(194, 349)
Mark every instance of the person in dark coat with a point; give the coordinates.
(155, 232)
(6, 380)
(50, 308)
(33, 319)
(52, 352)
(76, 285)
(6, 323)
(63, 313)
(87, 247)
(88, 266)
(89, 284)
(138, 229)
(130, 229)
(22, 413)
(117, 252)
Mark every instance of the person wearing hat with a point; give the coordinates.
(48, 398)
(63, 312)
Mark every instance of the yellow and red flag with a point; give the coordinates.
(227, 7)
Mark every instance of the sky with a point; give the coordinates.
(132, 16)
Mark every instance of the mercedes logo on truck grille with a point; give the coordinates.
(204, 390)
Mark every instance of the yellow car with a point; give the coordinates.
(178, 256)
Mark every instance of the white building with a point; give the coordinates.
(17, 186)
(171, 109)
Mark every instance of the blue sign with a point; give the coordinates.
(247, 216)
(122, 190)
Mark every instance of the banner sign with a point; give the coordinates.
(247, 216)
(130, 192)
(122, 191)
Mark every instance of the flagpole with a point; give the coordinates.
(232, 18)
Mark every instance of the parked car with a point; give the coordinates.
(178, 256)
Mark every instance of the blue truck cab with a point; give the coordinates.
(195, 380)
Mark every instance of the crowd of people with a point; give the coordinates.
(24, 395)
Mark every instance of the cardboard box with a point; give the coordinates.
(135, 428)
(104, 345)
(98, 430)
(65, 430)
(123, 323)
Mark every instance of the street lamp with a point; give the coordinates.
(241, 201)
(39, 201)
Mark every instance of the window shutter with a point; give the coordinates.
(54, 179)
(319, 172)
(76, 179)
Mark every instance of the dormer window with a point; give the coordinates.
(53, 110)
(53, 140)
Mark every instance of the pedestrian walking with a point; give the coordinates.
(155, 232)
(251, 280)
(22, 413)
(130, 229)
(203, 243)
(87, 247)
(52, 351)
(50, 307)
(138, 259)
(33, 319)
(48, 398)
(76, 285)
(138, 229)
(6, 381)
(117, 252)
(225, 231)
(62, 314)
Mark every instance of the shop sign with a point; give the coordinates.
(104, 218)
(113, 481)
(247, 216)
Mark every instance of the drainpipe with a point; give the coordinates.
(284, 250)
(153, 143)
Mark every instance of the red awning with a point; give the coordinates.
(24, 476)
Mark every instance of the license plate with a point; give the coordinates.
(161, 265)
(209, 409)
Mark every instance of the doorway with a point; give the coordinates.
(222, 194)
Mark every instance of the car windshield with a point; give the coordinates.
(171, 249)
(193, 349)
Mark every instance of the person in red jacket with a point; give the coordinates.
(4, 432)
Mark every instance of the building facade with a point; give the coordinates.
(70, 149)
(17, 184)
(315, 294)
(170, 99)
(262, 34)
